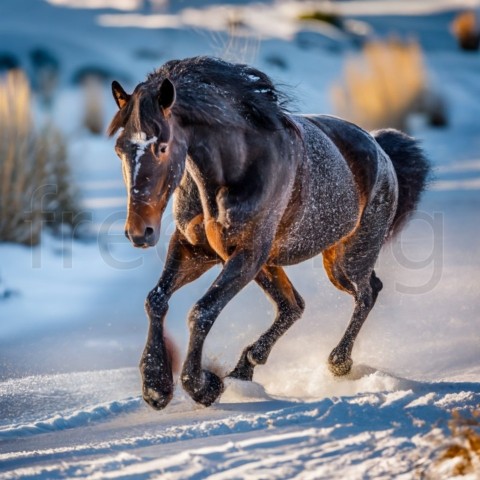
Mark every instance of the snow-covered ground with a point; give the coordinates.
(72, 331)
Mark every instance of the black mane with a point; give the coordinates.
(212, 92)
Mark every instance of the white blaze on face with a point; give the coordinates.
(141, 141)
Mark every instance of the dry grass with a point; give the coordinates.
(459, 454)
(22, 170)
(382, 86)
(466, 29)
(60, 206)
(93, 115)
(324, 16)
(45, 74)
(463, 454)
(34, 185)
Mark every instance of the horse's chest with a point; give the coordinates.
(205, 231)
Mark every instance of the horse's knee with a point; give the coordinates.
(365, 298)
(367, 294)
(201, 318)
(293, 314)
(156, 303)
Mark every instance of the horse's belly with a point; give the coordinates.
(314, 233)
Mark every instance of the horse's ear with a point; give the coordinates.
(166, 94)
(119, 94)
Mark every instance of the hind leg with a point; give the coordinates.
(349, 266)
(340, 359)
(290, 305)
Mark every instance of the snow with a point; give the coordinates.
(274, 438)
(116, 4)
(73, 329)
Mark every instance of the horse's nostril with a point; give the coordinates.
(149, 233)
(126, 234)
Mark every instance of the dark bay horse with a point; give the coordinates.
(255, 189)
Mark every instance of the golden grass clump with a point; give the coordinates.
(34, 184)
(382, 86)
(466, 29)
(22, 170)
(93, 115)
(463, 453)
(458, 455)
(322, 16)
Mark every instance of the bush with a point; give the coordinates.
(322, 16)
(460, 456)
(382, 86)
(34, 173)
(93, 115)
(466, 29)
(45, 71)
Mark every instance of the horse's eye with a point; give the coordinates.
(162, 148)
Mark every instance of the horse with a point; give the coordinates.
(255, 188)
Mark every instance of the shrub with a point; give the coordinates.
(45, 71)
(322, 16)
(382, 86)
(460, 456)
(34, 173)
(466, 29)
(93, 115)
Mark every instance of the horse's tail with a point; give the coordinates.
(412, 169)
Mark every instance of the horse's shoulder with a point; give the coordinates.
(188, 212)
(187, 202)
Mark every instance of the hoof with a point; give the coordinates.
(158, 400)
(208, 391)
(244, 373)
(244, 369)
(158, 384)
(339, 365)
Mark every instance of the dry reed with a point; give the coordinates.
(93, 115)
(457, 455)
(34, 174)
(466, 29)
(382, 86)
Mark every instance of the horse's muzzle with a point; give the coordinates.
(149, 238)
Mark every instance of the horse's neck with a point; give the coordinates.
(218, 157)
(214, 161)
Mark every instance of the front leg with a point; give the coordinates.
(242, 267)
(184, 263)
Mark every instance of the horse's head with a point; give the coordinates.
(152, 162)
